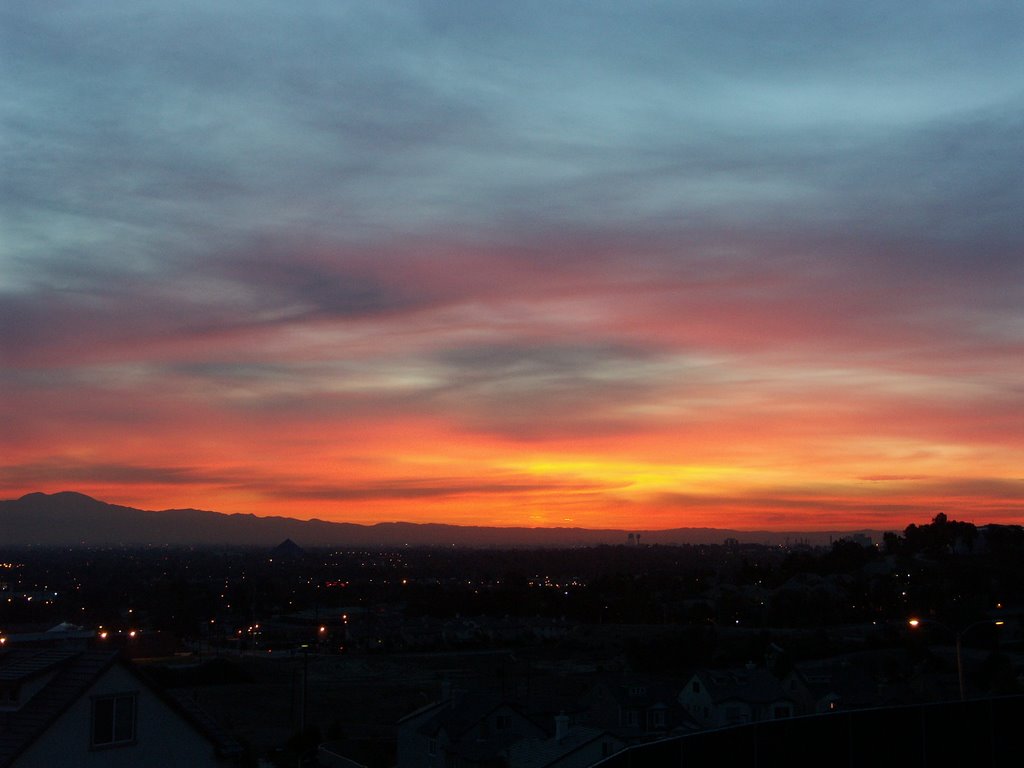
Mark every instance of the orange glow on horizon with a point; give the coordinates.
(713, 432)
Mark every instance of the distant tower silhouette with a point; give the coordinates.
(631, 539)
(638, 539)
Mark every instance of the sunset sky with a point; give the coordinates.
(734, 264)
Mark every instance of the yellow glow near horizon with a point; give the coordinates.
(636, 477)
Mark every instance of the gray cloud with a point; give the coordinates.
(421, 488)
(153, 134)
(54, 473)
(977, 500)
(58, 471)
(355, 120)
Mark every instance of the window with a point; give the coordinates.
(656, 718)
(432, 747)
(781, 710)
(695, 687)
(113, 720)
(502, 722)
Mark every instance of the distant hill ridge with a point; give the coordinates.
(69, 518)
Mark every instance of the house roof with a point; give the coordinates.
(859, 680)
(537, 753)
(756, 686)
(18, 666)
(75, 673)
(460, 716)
(645, 693)
(462, 709)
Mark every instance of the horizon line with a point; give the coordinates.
(773, 531)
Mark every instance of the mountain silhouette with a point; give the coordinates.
(69, 519)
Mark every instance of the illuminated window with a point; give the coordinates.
(113, 720)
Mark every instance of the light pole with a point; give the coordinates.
(305, 683)
(958, 635)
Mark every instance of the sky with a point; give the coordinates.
(756, 265)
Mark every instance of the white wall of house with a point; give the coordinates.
(162, 736)
(696, 699)
(420, 750)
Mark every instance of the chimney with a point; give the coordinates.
(561, 726)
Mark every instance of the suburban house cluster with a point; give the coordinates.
(473, 729)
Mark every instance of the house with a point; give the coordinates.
(639, 709)
(570, 746)
(855, 681)
(82, 708)
(480, 730)
(733, 697)
(463, 730)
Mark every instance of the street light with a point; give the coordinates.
(959, 635)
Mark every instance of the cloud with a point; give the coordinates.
(782, 238)
(892, 478)
(424, 488)
(971, 499)
(55, 472)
